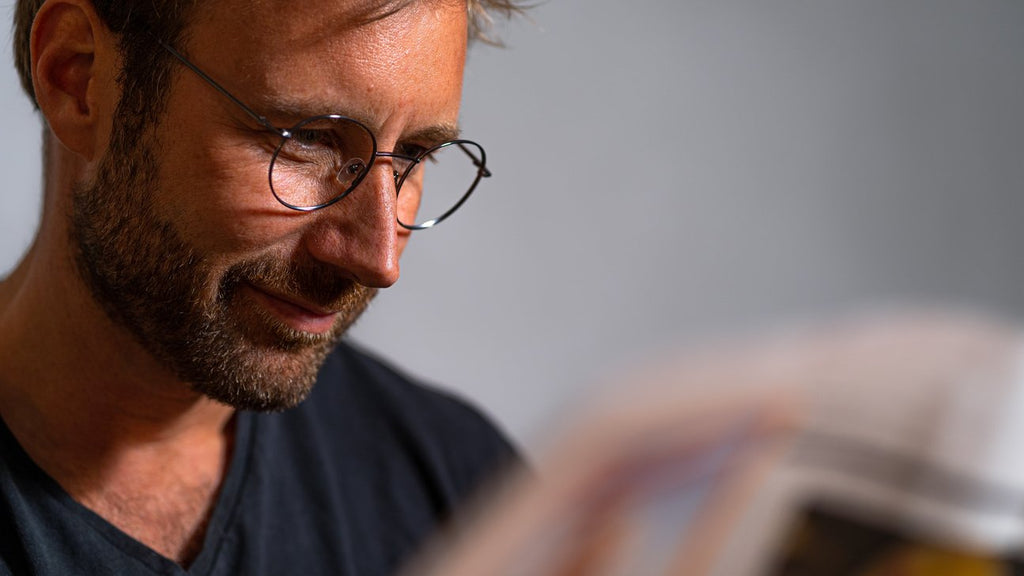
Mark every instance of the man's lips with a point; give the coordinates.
(297, 315)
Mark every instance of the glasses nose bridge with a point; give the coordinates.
(398, 172)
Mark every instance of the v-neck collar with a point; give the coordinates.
(224, 511)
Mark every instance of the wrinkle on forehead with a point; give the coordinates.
(350, 14)
(374, 11)
(281, 24)
(333, 17)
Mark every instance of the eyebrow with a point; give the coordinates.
(434, 134)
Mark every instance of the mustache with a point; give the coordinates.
(315, 282)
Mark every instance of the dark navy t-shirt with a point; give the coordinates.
(348, 483)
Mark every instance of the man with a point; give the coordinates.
(226, 185)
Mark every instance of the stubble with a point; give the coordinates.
(190, 317)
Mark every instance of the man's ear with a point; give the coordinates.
(73, 71)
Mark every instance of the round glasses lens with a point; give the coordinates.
(440, 183)
(324, 159)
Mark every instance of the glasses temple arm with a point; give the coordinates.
(262, 120)
(476, 161)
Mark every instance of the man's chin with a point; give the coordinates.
(262, 379)
(243, 355)
(246, 357)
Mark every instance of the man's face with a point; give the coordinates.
(182, 242)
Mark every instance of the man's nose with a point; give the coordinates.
(360, 233)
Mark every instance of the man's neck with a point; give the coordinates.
(103, 417)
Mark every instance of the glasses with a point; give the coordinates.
(322, 159)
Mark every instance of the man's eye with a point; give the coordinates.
(311, 138)
(412, 150)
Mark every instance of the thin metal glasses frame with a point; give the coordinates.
(287, 133)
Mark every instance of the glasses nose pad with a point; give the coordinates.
(350, 172)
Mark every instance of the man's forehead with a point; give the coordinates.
(337, 14)
(286, 25)
(360, 12)
(369, 59)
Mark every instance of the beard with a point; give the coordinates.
(187, 313)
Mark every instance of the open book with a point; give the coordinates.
(876, 446)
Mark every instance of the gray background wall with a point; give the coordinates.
(667, 170)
